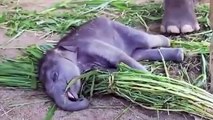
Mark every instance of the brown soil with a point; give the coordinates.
(19, 104)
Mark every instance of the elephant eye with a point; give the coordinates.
(55, 76)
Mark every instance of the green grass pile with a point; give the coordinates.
(150, 91)
(22, 72)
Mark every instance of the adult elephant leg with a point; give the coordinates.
(179, 17)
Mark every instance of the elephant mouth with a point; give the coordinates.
(71, 95)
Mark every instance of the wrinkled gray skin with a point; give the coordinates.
(99, 43)
(179, 16)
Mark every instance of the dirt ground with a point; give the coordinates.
(18, 104)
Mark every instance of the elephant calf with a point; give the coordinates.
(99, 43)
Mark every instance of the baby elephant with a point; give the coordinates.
(99, 43)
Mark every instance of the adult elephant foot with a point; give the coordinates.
(179, 17)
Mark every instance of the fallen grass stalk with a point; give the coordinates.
(51, 112)
(192, 46)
